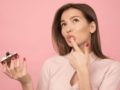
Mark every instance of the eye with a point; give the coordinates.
(63, 24)
(76, 20)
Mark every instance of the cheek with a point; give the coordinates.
(82, 35)
(82, 30)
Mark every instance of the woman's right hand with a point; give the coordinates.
(17, 70)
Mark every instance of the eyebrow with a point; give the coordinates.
(70, 18)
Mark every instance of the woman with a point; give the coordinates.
(80, 65)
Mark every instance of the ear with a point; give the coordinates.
(92, 27)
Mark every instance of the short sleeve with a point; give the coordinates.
(43, 83)
(111, 80)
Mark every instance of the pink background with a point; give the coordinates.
(25, 27)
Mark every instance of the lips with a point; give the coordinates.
(69, 37)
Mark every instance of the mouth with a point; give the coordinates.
(69, 37)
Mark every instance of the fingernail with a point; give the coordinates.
(24, 59)
(87, 45)
(3, 62)
(17, 56)
(7, 53)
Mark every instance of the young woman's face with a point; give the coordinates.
(75, 25)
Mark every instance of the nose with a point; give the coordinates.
(68, 30)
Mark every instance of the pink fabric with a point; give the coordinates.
(56, 74)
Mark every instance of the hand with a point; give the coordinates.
(77, 58)
(17, 70)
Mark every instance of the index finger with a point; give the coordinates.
(75, 46)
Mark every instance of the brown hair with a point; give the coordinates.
(90, 16)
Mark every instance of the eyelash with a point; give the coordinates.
(74, 20)
(63, 24)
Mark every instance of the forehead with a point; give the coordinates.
(70, 13)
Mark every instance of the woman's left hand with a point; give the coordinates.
(77, 58)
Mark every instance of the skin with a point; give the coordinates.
(18, 71)
(75, 26)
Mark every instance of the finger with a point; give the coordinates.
(11, 69)
(17, 63)
(72, 56)
(6, 70)
(24, 66)
(12, 64)
(75, 46)
(20, 64)
(4, 66)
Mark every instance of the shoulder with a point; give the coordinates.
(54, 63)
(114, 65)
(57, 59)
(106, 68)
(109, 64)
(110, 72)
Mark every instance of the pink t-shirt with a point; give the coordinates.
(57, 72)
